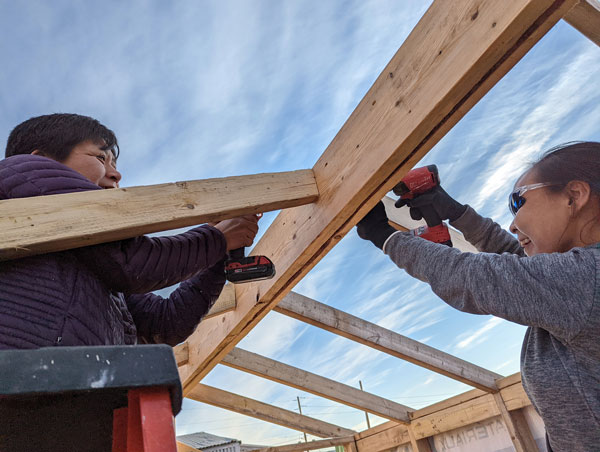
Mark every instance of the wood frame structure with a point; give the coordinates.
(452, 58)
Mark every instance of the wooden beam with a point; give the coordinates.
(315, 384)
(517, 427)
(269, 413)
(182, 354)
(585, 17)
(456, 54)
(181, 447)
(367, 333)
(418, 445)
(58, 222)
(350, 447)
(459, 411)
(401, 220)
(225, 303)
(382, 438)
(311, 445)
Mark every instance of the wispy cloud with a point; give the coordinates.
(472, 338)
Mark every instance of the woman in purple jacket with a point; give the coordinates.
(98, 295)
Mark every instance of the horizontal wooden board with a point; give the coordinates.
(45, 224)
(315, 384)
(269, 413)
(382, 339)
(311, 445)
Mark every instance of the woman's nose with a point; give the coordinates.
(113, 174)
(512, 228)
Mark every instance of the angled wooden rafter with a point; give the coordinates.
(454, 55)
(367, 333)
(269, 413)
(315, 384)
(57, 222)
(585, 17)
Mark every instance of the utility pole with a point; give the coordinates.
(300, 410)
(366, 413)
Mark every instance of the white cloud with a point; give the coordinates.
(472, 338)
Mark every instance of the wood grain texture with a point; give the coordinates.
(315, 384)
(517, 427)
(269, 413)
(182, 353)
(311, 445)
(455, 412)
(58, 222)
(392, 436)
(181, 447)
(225, 303)
(454, 55)
(367, 333)
(585, 17)
(418, 445)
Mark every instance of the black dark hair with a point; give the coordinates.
(55, 135)
(578, 160)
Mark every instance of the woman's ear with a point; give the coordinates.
(579, 193)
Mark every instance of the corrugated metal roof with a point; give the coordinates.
(202, 440)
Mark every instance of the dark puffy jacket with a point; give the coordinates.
(97, 295)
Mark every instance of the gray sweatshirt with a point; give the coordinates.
(557, 295)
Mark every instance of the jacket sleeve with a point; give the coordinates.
(136, 265)
(486, 235)
(551, 291)
(144, 264)
(171, 320)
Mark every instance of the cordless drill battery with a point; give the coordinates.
(435, 234)
(241, 269)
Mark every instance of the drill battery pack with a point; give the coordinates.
(249, 269)
(435, 234)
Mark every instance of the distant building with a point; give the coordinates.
(212, 443)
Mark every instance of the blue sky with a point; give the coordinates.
(198, 89)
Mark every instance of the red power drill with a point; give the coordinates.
(419, 181)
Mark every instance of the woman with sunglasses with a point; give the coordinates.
(547, 278)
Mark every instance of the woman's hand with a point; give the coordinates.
(239, 232)
(446, 207)
(375, 226)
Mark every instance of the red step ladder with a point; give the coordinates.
(89, 399)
